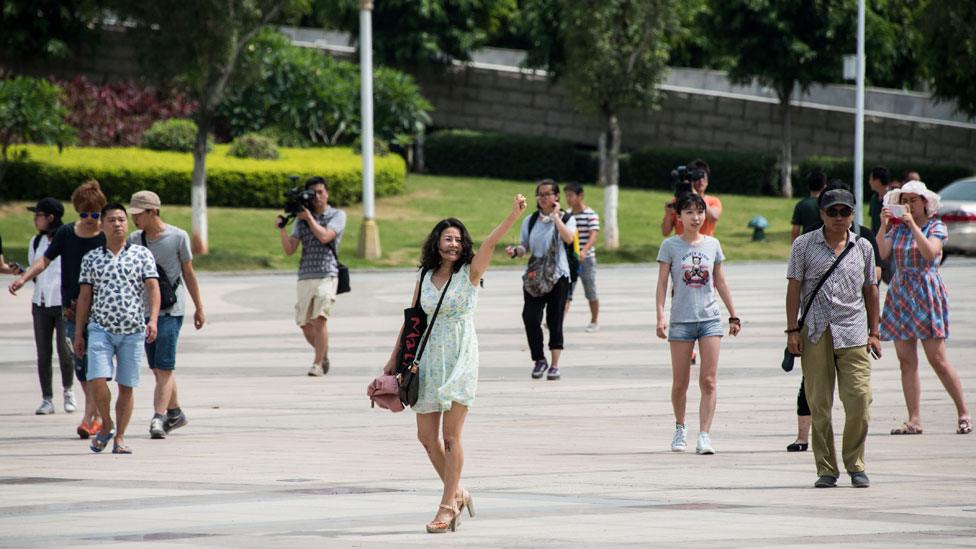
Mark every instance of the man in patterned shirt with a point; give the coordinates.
(319, 233)
(112, 280)
(840, 327)
(588, 226)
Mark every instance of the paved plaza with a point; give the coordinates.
(273, 458)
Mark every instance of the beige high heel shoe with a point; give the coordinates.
(466, 501)
(440, 527)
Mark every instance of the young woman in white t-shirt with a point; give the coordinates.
(693, 262)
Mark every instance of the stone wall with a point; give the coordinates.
(523, 102)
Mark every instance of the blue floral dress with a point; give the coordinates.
(449, 365)
(917, 304)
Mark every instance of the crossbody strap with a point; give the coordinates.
(430, 325)
(820, 283)
(145, 244)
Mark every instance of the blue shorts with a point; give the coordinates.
(81, 363)
(126, 349)
(691, 331)
(162, 352)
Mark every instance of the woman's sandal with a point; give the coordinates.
(466, 501)
(798, 446)
(965, 426)
(907, 429)
(440, 527)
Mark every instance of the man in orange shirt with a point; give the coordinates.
(713, 206)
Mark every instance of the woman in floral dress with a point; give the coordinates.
(449, 365)
(916, 307)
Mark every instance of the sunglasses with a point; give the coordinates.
(843, 212)
(93, 215)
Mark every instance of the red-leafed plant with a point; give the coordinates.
(116, 115)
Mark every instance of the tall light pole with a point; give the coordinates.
(859, 120)
(369, 233)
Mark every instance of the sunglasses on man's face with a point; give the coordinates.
(93, 215)
(843, 212)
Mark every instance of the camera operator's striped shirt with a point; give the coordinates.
(587, 221)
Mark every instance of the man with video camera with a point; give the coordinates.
(318, 229)
(694, 178)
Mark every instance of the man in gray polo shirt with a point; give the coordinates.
(170, 247)
(319, 232)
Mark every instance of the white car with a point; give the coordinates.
(958, 212)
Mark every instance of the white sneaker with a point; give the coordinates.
(679, 441)
(704, 446)
(46, 407)
(156, 429)
(592, 327)
(316, 370)
(69, 401)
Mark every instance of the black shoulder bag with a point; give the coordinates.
(343, 282)
(167, 289)
(408, 367)
(789, 357)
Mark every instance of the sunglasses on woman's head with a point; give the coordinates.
(843, 212)
(93, 215)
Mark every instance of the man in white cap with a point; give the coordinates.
(170, 247)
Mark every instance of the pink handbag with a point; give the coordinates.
(385, 392)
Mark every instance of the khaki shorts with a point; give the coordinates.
(315, 299)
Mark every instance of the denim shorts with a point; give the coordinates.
(691, 331)
(126, 349)
(81, 363)
(162, 351)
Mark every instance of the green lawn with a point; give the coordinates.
(246, 239)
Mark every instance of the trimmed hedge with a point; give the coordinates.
(935, 176)
(471, 153)
(482, 154)
(232, 182)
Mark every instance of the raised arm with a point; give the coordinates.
(667, 222)
(482, 258)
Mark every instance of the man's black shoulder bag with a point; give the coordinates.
(789, 357)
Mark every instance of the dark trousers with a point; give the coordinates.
(554, 302)
(47, 323)
(802, 407)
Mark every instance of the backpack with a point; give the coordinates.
(572, 249)
(167, 289)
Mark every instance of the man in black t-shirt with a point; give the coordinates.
(71, 242)
(806, 213)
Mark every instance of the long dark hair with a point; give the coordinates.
(430, 255)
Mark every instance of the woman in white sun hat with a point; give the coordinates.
(916, 307)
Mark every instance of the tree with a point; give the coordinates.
(198, 45)
(420, 33)
(950, 51)
(611, 54)
(40, 30)
(31, 110)
(785, 45)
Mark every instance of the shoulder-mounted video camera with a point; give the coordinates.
(296, 198)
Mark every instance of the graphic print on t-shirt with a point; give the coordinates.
(696, 275)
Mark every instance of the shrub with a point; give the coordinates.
(252, 145)
(175, 134)
(471, 153)
(116, 115)
(233, 182)
(935, 176)
(317, 96)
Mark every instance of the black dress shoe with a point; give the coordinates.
(798, 447)
(825, 481)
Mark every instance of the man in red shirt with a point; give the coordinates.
(713, 206)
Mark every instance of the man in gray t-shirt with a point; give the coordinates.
(319, 232)
(170, 247)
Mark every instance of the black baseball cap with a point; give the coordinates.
(49, 206)
(835, 197)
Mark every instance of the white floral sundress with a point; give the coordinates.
(449, 365)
